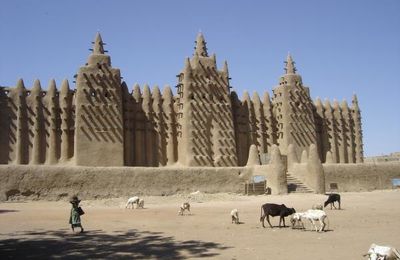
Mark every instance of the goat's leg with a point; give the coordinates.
(314, 224)
(322, 224)
(339, 203)
(302, 224)
(333, 203)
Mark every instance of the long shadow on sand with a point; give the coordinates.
(131, 244)
(2, 211)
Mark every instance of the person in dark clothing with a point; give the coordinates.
(76, 212)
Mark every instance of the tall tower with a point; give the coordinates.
(358, 135)
(99, 122)
(205, 124)
(293, 111)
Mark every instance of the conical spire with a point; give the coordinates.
(156, 93)
(256, 99)
(254, 158)
(290, 68)
(355, 102)
(318, 103)
(327, 104)
(187, 71)
(37, 88)
(336, 105)
(246, 96)
(225, 69)
(214, 58)
(146, 92)
(345, 106)
(20, 84)
(52, 89)
(201, 49)
(98, 45)
(146, 105)
(136, 93)
(167, 93)
(266, 99)
(125, 89)
(64, 87)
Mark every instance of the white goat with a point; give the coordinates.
(141, 203)
(235, 216)
(312, 215)
(131, 201)
(376, 252)
(318, 206)
(184, 206)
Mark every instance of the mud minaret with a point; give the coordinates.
(293, 111)
(205, 123)
(99, 126)
(358, 135)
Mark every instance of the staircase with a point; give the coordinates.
(296, 186)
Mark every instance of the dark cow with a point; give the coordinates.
(270, 209)
(331, 200)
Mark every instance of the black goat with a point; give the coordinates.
(331, 200)
(274, 210)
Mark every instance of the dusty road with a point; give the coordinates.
(39, 229)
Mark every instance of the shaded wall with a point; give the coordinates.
(52, 182)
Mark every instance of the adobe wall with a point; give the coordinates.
(57, 182)
(361, 177)
(353, 177)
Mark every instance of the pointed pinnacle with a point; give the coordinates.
(36, 88)
(266, 99)
(225, 68)
(201, 49)
(98, 45)
(336, 105)
(64, 87)
(246, 96)
(167, 92)
(256, 98)
(146, 92)
(327, 104)
(290, 68)
(355, 101)
(51, 90)
(187, 71)
(214, 57)
(20, 84)
(156, 92)
(344, 105)
(318, 103)
(136, 93)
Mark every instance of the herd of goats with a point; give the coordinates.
(314, 215)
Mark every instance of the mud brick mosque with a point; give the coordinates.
(101, 123)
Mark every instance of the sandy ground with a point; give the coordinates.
(39, 229)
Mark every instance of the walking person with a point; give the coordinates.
(76, 212)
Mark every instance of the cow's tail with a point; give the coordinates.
(261, 215)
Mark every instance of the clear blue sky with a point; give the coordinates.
(340, 47)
